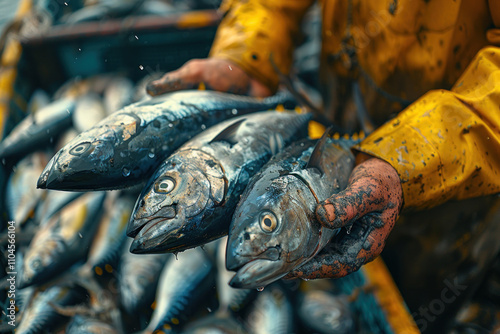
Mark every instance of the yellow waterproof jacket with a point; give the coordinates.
(435, 59)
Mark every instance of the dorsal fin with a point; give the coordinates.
(229, 133)
(315, 158)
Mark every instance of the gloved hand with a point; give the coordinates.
(216, 74)
(369, 207)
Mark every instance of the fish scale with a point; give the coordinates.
(208, 174)
(127, 146)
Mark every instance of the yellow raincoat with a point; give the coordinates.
(436, 59)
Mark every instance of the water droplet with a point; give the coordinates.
(175, 254)
(164, 147)
(260, 288)
(151, 155)
(136, 37)
(301, 144)
(80, 235)
(234, 111)
(65, 3)
(209, 309)
(170, 125)
(125, 171)
(348, 229)
(141, 67)
(230, 68)
(203, 126)
(80, 49)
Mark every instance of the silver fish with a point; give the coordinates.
(274, 229)
(62, 241)
(215, 324)
(39, 316)
(189, 200)
(36, 130)
(110, 237)
(89, 111)
(271, 313)
(324, 313)
(138, 277)
(85, 325)
(119, 94)
(127, 146)
(184, 283)
(22, 195)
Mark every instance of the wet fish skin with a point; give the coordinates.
(62, 241)
(39, 316)
(324, 313)
(208, 175)
(285, 192)
(138, 277)
(110, 237)
(37, 129)
(85, 325)
(127, 146)
(215, 324)
(271, 312)
(184, 283)
(22, 196)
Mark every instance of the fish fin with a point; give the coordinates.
(315, 158)
(229, 133)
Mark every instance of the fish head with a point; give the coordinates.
(172, 205)
(39, 261)
(271, 231)
(81, 162)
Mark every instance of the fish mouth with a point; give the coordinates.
(257, 273)
(159, 235)
(137, 223)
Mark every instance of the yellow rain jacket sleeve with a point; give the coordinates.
(253, 31)
(446, 145)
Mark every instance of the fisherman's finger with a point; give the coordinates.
(189, 76)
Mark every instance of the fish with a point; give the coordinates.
(272, 312)
(118, 94)
(22, 197)
(36, 130)
(39, 315)
(127, 146)
(230, 299)
(86, 325)
(184, 283)
(274, 229)
(215, 324)
(38, 100)
(62, 241)
(189, 200)
(323, 312)
(138, 277)
(110, 238)
(54, 202)
(89, 111)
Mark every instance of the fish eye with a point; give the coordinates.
(165, 186)
(268, 222)
(36, 264)
(80, 148)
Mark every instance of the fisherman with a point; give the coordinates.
(428, 69)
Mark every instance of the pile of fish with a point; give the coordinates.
(198, 165)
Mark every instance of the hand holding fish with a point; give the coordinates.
(214, 73)
(369, 207)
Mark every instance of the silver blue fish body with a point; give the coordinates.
(272, 312)
(39, 316)
(110, 237)
(85, 325)
(322, 312)
(184, 283)
(274, 229)
(138, 277)
(191, 197)
(215, 324)
(36, 130)
(22, 197)
(62, 241)
(128, 145)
